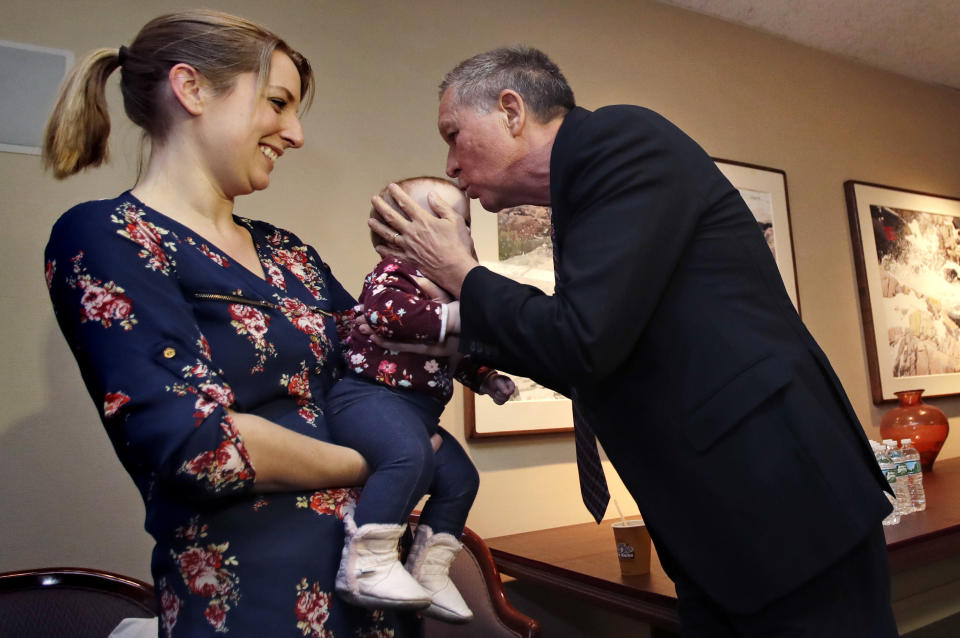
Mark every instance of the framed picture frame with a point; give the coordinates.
(516, 243)
(906, 248)
(483, 419)
(764, 189)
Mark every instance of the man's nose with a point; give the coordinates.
(453, 168)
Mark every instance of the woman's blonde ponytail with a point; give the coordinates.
(77, 131)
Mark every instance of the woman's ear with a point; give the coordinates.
(186, 84)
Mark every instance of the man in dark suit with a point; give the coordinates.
(671, 329)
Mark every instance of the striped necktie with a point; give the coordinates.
(593, 484)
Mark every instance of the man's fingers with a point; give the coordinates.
(413, 210)
(395, 222)
(385, 231)
(386, 252)
(438, 205)
(400, 346)
(444, 349)
(441, 206)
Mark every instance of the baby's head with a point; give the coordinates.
(418, 188)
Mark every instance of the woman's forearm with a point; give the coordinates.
(286, 460)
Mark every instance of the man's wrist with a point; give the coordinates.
(456, 274)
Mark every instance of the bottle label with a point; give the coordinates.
(902, 469)
(891, 475)
(913, 467)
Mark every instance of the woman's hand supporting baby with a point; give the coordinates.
(287, 460)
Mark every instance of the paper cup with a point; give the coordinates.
(633, 547)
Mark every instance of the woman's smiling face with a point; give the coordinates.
(245, 130)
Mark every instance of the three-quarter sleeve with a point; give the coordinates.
(113, 280)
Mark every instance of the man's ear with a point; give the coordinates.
(511, 105)
(186, 84)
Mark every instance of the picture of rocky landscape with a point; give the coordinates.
(526, 255)
(919, 258)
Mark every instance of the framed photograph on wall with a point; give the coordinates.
(764, 190)
(906, 246)
(516, 243)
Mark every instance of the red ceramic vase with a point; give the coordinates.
(913, 419)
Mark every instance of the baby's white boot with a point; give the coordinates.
(371, 574)
(429, 561)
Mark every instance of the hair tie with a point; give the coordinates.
(122, 55)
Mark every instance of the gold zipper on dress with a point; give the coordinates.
(251, 302)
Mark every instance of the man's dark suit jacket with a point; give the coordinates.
(670, 321)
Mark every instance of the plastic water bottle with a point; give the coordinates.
(889, 470)
(914, 475)
(902, 488)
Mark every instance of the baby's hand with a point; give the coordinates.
(360, 320)
(499, 387)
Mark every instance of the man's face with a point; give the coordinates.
(481, 152)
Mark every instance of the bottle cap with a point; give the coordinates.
(890, 442)
(906, 441)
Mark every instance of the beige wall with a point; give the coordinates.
(744, 96)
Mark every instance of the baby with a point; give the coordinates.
(387, 407)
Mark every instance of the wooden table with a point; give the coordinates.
(580, 559)
(935, 532)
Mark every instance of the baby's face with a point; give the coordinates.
(448, 192)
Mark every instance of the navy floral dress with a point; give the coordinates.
(168, 332)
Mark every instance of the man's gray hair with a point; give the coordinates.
(478, 81)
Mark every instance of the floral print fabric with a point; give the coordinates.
(169, 332)
(396, 308)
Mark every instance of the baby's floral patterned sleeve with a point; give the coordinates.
(395, 306)
(112, 280)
